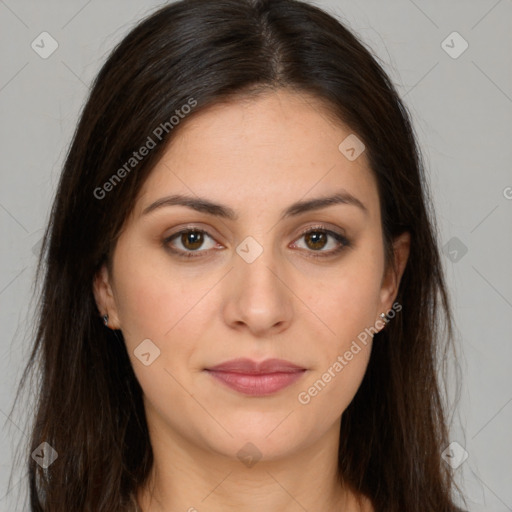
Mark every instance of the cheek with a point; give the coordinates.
(329, 391)
(164, 306)
(342, 353)
(155, 308)
(346, 303)
(150, 299)
(346, 306)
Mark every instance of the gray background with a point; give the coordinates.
(462, 112)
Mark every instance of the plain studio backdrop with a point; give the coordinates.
(451, 63)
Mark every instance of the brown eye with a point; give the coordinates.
(316, 239)
(188, 241)
(192, 240)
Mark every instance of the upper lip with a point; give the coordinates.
(249, 366)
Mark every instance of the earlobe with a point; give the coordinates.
(104, 296)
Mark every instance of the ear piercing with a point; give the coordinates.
(105, 319)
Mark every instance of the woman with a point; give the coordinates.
(242, 283)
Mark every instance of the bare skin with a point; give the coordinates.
(256, 157)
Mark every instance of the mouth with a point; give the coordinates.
(256, 379)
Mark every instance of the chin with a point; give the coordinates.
(263, 444)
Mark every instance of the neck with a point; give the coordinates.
(187, 478)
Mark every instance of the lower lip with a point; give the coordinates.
(257, 385)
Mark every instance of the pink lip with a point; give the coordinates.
(257, 379)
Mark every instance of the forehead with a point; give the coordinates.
(262, 151)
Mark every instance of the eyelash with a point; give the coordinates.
(343, 241)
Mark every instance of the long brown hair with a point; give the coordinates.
(89, 406)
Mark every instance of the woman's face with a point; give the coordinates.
(250, 284)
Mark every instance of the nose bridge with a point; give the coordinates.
(258, 295)
(257, 265)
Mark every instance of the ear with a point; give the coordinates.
(104, 296)
(393, 275)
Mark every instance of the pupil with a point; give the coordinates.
(192, 240)
(320, 239)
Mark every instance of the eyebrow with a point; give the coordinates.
(204, 205)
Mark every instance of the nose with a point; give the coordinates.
(258, 297)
